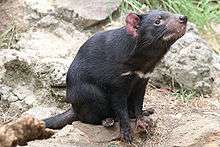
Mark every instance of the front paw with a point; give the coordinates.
(143, 124)
(126, 136)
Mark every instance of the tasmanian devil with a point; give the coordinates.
(108, 77)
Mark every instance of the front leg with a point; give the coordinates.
(135, 102)
(119, 105)
(136, 98)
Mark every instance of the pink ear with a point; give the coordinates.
(132, 23)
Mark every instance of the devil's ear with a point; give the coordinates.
(132, 23)
(133, 19)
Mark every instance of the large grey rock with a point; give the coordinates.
(58, 43)
(53, 70)
(81, 13)
(13, 102)
(36, 9)
(25, 76)
(79, 134)
(34, 73)
(25, 81)
(194, 129)
(86, 13)
(53, 44)
(52, 74)
(216, 86)
(189, 63)
(16, 83)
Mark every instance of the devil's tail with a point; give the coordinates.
(61, 120)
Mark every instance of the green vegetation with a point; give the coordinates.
(185, 95)
(9, 36)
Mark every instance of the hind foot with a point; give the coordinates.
(108, 122)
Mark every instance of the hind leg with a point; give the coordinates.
(90, 104)
(92, 113)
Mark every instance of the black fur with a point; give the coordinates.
(96, 87)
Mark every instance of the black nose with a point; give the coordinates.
(183, 19)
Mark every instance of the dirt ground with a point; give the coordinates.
(170, 112)
(11, 11)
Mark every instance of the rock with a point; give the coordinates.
(41, 112)
(12, 15)
(41, 60)
(51, 73)
(11, 110)
(5, 92)
(45, 44)
(53, 45)
(85, 13)
(80, 134)
(34, 9)
(216, 28)
(194, 129)
(47, 21)
(189, 63)
(30, 83)
(11, 60)
(16, 80)
(53, 70)
(216, 86)
(82, 13)
(50, 37)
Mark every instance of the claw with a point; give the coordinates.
(126, 136)
(148, 112)
(108, 122)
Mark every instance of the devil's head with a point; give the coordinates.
(156, 27)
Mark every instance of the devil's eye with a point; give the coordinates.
(157, 22)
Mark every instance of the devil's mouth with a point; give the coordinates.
(174, 34)
(169, 36)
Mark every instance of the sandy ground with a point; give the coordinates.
(11, 12)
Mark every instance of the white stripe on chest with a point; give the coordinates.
(137, 73)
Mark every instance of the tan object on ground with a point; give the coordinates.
(23, 130)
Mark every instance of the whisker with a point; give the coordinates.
(159, 33)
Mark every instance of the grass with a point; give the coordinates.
(201, 12)
(9, 37)
(185, 95)
(133, 5)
